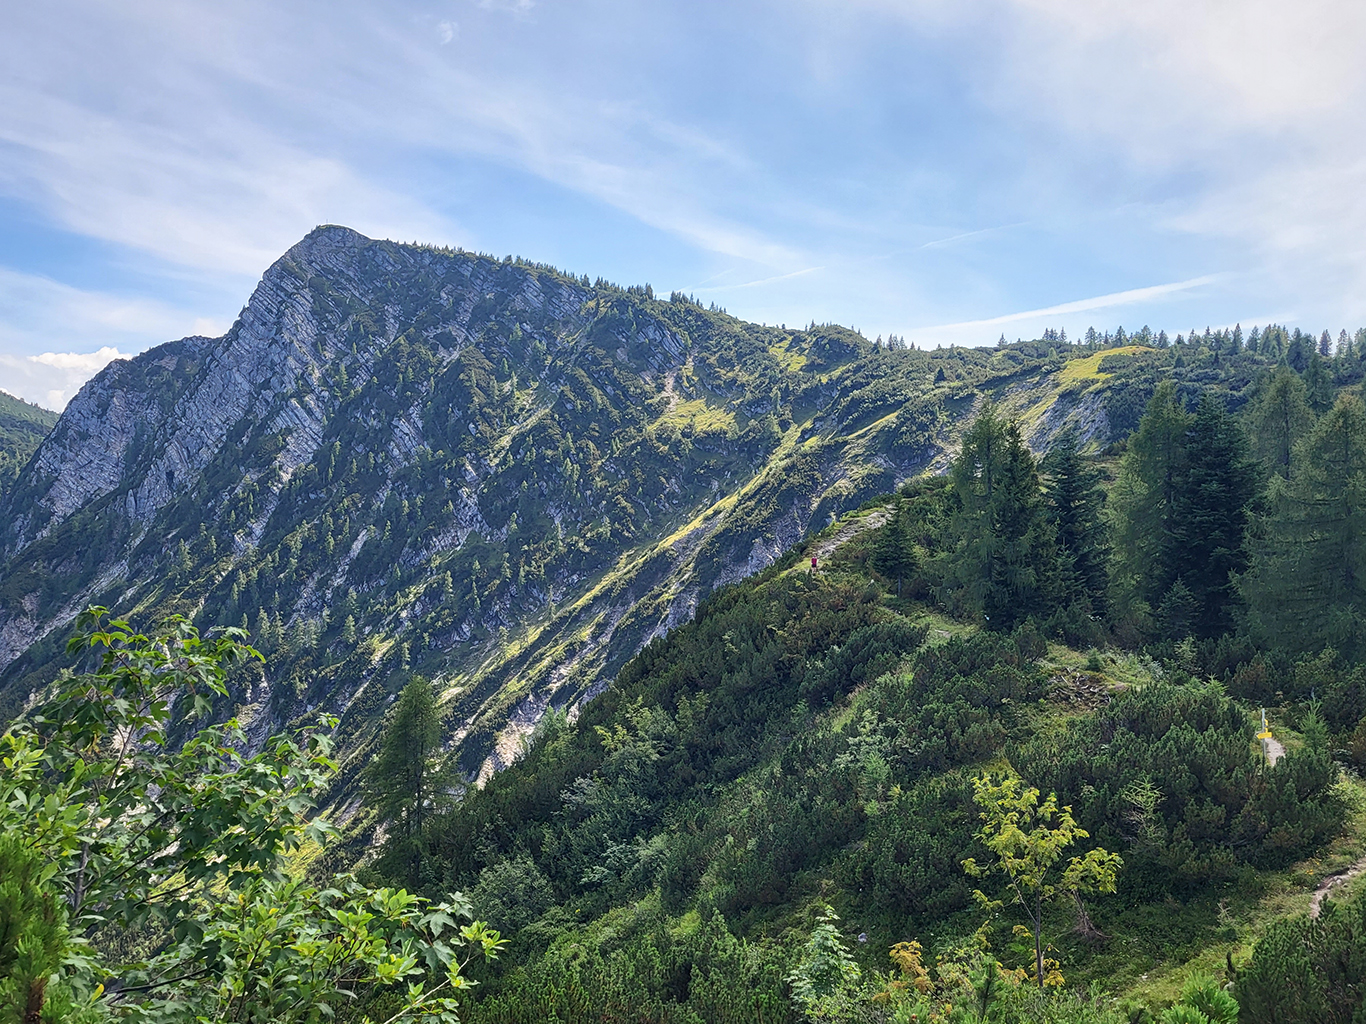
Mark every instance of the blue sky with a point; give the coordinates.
(946, 170)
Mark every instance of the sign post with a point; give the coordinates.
(1265, 735)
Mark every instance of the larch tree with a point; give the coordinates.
(403, 780)
(1318, 384)
(1307, 585)
(1279, 419)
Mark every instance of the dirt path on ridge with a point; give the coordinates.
(1332, 882)
(848, 532)
(1275, 750)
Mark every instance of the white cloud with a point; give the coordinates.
(1228, 65)
(763, 281)
(622, 154)
(1124, 298)
(1145, 74)
(521, 8)
(81, 362)
(52, 379)
(55, 337)
(977, 332)
(35, 311)
(212, 178)
(214, 137)
(1232, 122)
(219, 191)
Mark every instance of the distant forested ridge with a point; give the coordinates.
(22, 427)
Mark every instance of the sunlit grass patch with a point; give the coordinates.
(792, 362)
(1243, 912)
(1088, 367)
(705, 415)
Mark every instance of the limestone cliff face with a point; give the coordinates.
(143, 431)
(404, 459)
(179, 418)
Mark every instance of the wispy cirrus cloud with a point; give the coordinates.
(974, 332)
(147, 182)
(1125, 298)
(759, 283)
(229, 197)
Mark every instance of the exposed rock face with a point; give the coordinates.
(408, 459)
(250, 375)
(1084, 416)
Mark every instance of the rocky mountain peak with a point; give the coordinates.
(403, 458)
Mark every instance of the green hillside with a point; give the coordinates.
(509, 479)
(22, 429)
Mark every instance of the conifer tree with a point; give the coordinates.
(1215, 487)
(1318, 385)
(1074, 499)
(34, 936)
(1003, 556)
(1307, 586)
(894, 551)
(1298, 351)
(1144, 499)
(1178, 612)
(403, 781)
(183, 563)
(1278, 419)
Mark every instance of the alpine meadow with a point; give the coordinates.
(463, 639)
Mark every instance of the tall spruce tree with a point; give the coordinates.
(1318, 384)
(1074, 499)
(1299, 350)
(1003, 556)
(1278, 419)
(1307, 585)
(1144, 503)
(402, 781)
(894, 550)
(1215, 487)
